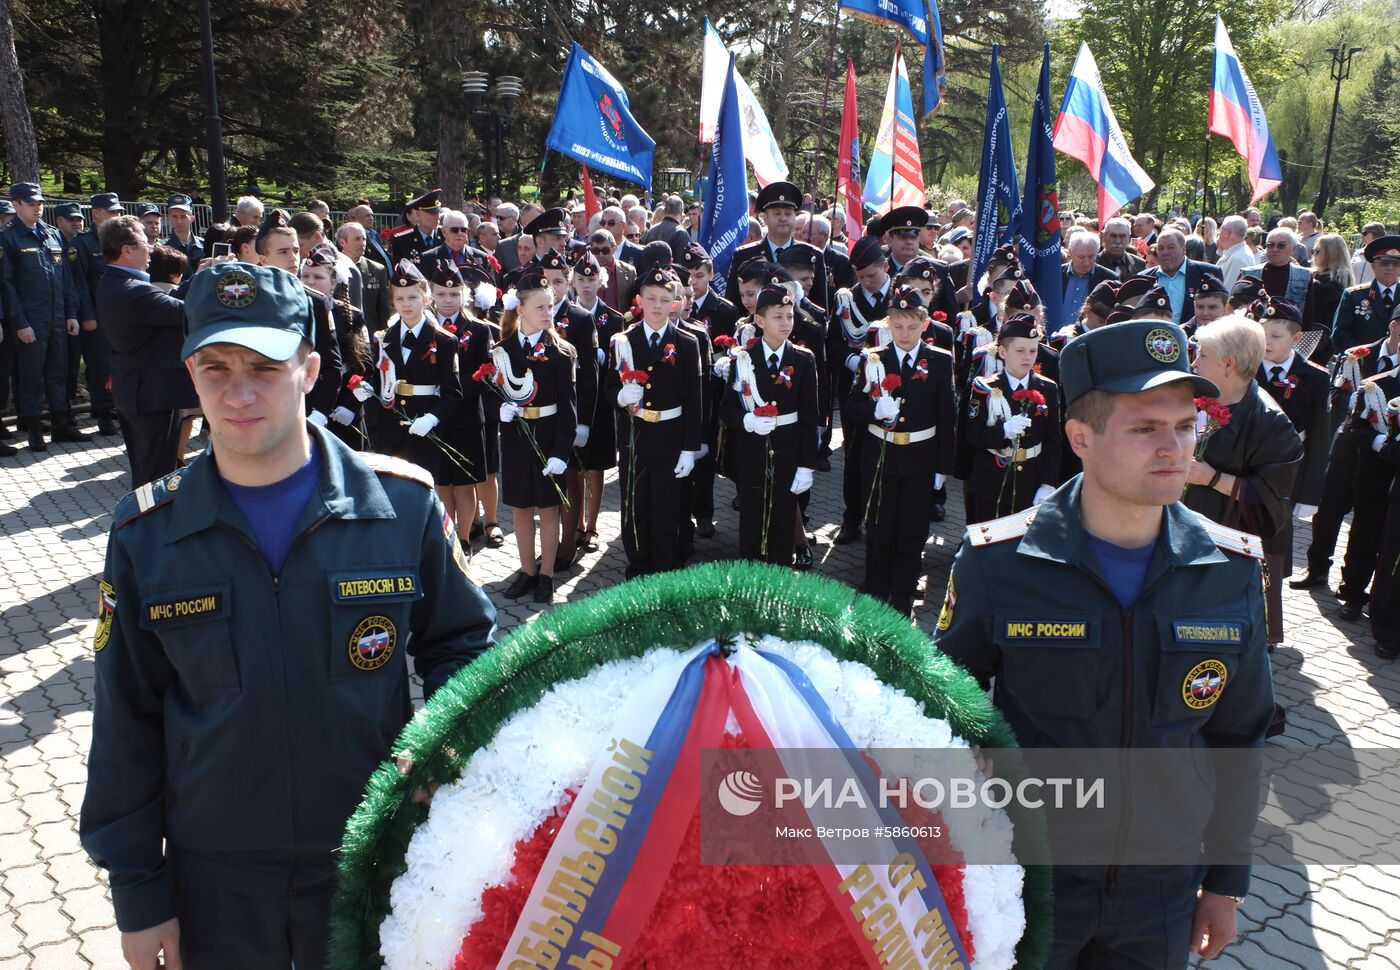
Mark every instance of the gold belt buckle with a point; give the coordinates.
(529, 414)
(649, 416)
(1020, 455)
(899, 437)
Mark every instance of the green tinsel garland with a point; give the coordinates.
(677, 609)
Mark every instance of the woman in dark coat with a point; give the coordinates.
(1244, 475)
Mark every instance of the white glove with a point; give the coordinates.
(421, 427)
(343, 415)
(760, 426)
(686, 464)
(630, 395)
(938, 480)
(721, 367)
(362, 391)
(1377, 442)
(581, 436)
(1016, 425)
(886, 408)
(966, 322)
(1305, 511)
(555, 466)
(319, 420)
(801, 481)
(602, 357)
(509, 412)
(853, 363)
(1042, 493)
(704, 450)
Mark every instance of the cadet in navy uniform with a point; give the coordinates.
(778, 201)
(1301, 389)
(254, 617)
(1014, 443)
(719, 317)
(40, 313)
(1157, 637)
(772, 373)
(665, 416)
(574, 325)
(857, 323)
(537, 366)
(427, 386)
(910, 447)
(1356, 366)
(1364, 311)
(599, 451)
(680, 318)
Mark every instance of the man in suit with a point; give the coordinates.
(377, 308)
(669, 229)
(423, 212)
(145, 327)
(1234, 255)
(1116, 255)
(455, 249)
(310, 232)
(838, 262)
(614, 220)
(621, 276)
(1176, 274)
(374, 249)
(778, 201)
(1280, 273)
(1363, 314)
(1079, 276)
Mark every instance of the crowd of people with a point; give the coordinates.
(519, 353)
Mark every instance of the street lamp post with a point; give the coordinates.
(1341, 70)
(491, 123)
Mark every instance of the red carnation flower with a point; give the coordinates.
(1219, 413)
(484, 372)
(940, 316)
(355, 381)
(1026, 394)
(1359, 352)
(891, 382)
(1204, 403)
(766, 411)
(635, 376)
(450, 328)
(724, 341)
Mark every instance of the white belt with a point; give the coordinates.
(654, 417)
(534, 414)
(902, 437)
(784, 419)
(1016, 454)
(405, 389)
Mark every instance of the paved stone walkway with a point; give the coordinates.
(54, 909)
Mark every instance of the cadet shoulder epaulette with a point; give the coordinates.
(1232, 540)
(1358, 288)
(147, 498)
(397, 467)
(982, 384)
(1012, 526)
(934, 348)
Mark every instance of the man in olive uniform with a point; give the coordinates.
(41, 312)
(1157, 639)
(253, 620)
(1364, 311)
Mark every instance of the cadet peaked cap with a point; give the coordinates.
(259, 307)
(779, 193)
(1128, 357)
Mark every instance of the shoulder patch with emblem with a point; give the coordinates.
(1012, 526)
(950, 601)
(1203, 683)
(147, 498)
(106, 608)
(1232, 540)
(397, 467)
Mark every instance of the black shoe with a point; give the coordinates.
(803, 561)
(36, 435)
(66, 432)
(1350, 611)
(936, 512)
(705, 529)
(522, 584)
(5, 433)
(107, 424)
(1278, 723)
(1309, 580)
(495, 538)
(8, 451)
(823, 464)
(544, 588)
(849, 533)
(1387, 649)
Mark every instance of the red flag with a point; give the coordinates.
(590, 201)
(848, 181)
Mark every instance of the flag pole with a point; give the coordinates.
(826, 100)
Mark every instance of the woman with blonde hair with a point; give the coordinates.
(1331, 269)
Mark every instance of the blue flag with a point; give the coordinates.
(724, 224)
(935, 65)
(911, 15)
(998, 198)
(1038, 231)
(592, 122)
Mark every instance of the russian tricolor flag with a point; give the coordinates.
(1087, 130)
(1236, 113)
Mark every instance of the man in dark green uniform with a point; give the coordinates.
(1112, 616)
(1364, 311)
(255, 613)
(41, 313)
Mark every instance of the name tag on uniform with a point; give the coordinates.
(1206, 631)
(375, 585)
(1047, 630)
(29, 249)
(184, 608)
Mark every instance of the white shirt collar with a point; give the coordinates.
(592, 311)
(555, 312)
(1017, 383)
(647, 332)
(880, 292)
(404, 328)
(769, 351)
(1286, 364)
(528, 341)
